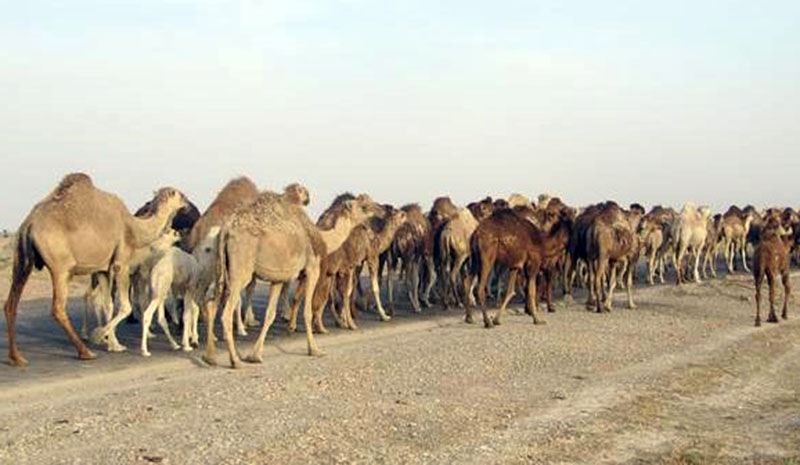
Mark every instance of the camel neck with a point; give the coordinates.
(148, 230)
(335, 237)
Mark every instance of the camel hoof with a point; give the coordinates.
(758, 323)
(316, 352)
(17, 361)
(633, 306)
(426, 304)
(252, 323)
(236, 364)
(87, 355)
(497, 321)
(187, 348)
(292, 328)
(117, 348)
(146, 354)
(242, 333)
(488, 324)
(385, 318)
(211, 361)
(97, 337)
(253, 358)
(539, 322)
(469, 320)
(176, 347)
(772, 320)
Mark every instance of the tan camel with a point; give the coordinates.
(273, 240)
(79, 229)
(454, 247)
(690, 231)
(735, 229)
(411, 249)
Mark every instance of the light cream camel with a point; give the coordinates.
(79, 229)
(689, 231)
(179, 272)
(98, 295)
(273, 240)
(454, 246)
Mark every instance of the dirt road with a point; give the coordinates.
(684, 378)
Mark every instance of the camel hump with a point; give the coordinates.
(70, 183)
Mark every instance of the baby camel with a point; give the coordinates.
(180, 272)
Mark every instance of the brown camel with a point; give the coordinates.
(363, 245)
(611, 245)
(236, 194)
(76, 230)
(771, 259)
(335, 224)
(274, 240)
(509, 240)
(411, 249)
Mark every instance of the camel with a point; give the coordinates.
(651, 236)
(362, 246)
(771, 259)
(274, 240)
(482, 209)
(611, 246)
(79, 229)
(735, 229)
(335, 224)
(98, 295)
(453, 251)
(179, 272)
(519, 200)
(690, 231)
(509, 240)
(712, 246)
(184, 219)
(412, 247)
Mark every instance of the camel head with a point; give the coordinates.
(169, 199)
(519, 200)
(370, 207)
(169, 238)
(297, 194)
(395, 218)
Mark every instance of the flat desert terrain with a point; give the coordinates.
(683, 379)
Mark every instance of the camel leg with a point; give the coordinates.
(284, 301)
(412, 285)
(772, 318)
(744, 255)
(19, 278)
(299, 291)
(250, 319)
(60, 295)
(651, 267)
(630, 272)
(376, 290)
(532, 300)
(190, 314)
(486, 268)
(211, 315)
(147, 318)
(426, 292)
(758, 281)
(468, 282)
(312, 275)
(697, 265)
(787, 291)
(256, 356)
(728, 255)
(162, 322)
(347, 314)
(612, 286)
(317, 325)
(109, 331)
(500, 316)
(240, 327)
(231, 303)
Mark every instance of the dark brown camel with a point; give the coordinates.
(509, 240)
(771, 259)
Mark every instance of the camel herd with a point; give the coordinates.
(167, 258)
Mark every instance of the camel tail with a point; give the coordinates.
(25, 257)
(475, 256)
(222, 263)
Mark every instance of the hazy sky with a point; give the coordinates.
(631, 100)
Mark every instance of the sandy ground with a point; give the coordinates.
(684, 378)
